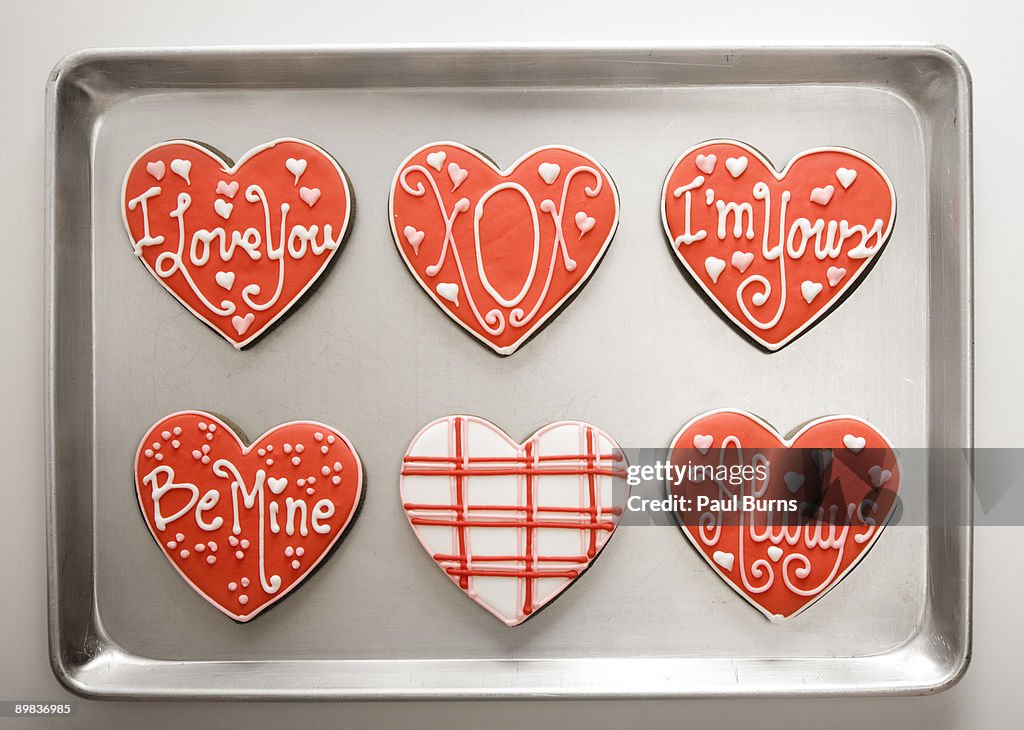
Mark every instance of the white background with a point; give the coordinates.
(35, 34)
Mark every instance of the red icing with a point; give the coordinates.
(506, 234)
(868, 201)
(845, 484)
(216, 189)
(213, 579)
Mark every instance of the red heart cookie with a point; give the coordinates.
(502, 251)
(782, 521)
(238, 245)
(776, 251)
(513, 525)
(245, 525)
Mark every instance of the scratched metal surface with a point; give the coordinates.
(370, 354)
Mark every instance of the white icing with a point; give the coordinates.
(296, 167)
(846, 177)
(449, 291)
(854, 443)
(706, 163)
(809, 290)
(182, 168)
(835, 274)
(584, 222)
(457, 175)
(414, 237)
(714, 266)
(436, 159)
(724, 559)
(229, 189)
(822, 196)
(549, 172)
(225, 279)
(157, 169)
(736, 165)
(223, 209)
(309, 195)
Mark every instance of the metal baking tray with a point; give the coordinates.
(638, 354)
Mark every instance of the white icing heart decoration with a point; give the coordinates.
(823, 196)
(242, 324)
(223, 208)
(584, 222)
(309, 195)
(835, 275)
(457, 174)
(296, 167)
(775, 552)
(822, 457)
(436, 159)
(736, 165)
(724, 559)
(810, 289)
(449, 291)
(414, 237)
(229, 189)
(706, 163)
(846, 176)
(225, 279)
(182, 168)
(549, 172)
(794, 481)
(715, 266)
(157, 169)
(702, 442)
(742, 260)
(854, 443)
(879, 476)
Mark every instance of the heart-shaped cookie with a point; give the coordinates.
(245, 525)
(501, 251)
(513, 525)
(270, 224)
(813, 231)
(782, 520)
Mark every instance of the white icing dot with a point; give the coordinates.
(165, 435)
(156, 445)
(261, 452)
(337, 466)
(318, 436)
(232, 540)
(206, 448)
(202, 425)
(212, 545)
(299, 448)
(326, 471)
(243, 599)
(211, 559)
(232, 586)
(200, 547)
(197, 454)
(175, 443)
(331, 439)
(148, 453)
(295, 564)
(245, 544)
(335, 480)
(245, 582)
(239, 554)
(311, 480)
(301, 482)
(179, 537)
(184, 554)
(270, 447)
(270, 462)
(209, 437)
(324, 449)
(177, 430)
(213, 427)
(159, 457)
(300, 551)
(287, 448)
(310, 491)
(296, 460)
(288, 551)
(205, 460)
(171, 545)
